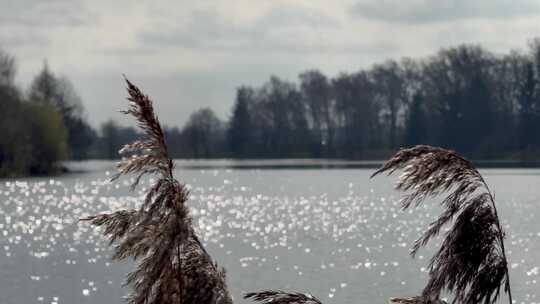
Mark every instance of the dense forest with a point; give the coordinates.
(466, 98)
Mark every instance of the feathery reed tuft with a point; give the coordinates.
(281, 297)
(471, 262)
(174, 266)
(416, 300)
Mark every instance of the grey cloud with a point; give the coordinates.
(421, 12)
(37, 13)
(15, 39)
(203, 28)
(284, 16)
(29, 23)
(212, 31)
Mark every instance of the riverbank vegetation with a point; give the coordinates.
(481, 104)
(34, 135)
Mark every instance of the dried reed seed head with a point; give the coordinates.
(173, 265)
(281, 297)
(417, 300)
(471, 263)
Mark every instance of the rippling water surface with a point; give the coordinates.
(327, 229)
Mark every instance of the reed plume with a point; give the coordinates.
(471, 263)
(281, 297)
(417, 300)
(173, 265)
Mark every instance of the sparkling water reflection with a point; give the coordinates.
(333, 232)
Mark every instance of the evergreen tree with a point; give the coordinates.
(240, 127)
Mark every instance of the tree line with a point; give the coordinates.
(466, 98)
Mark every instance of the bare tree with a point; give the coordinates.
(205, 133)
(390, 92)
(7, 69)
(316, 92)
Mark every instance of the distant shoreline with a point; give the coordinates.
(95, 165)
(276, 164)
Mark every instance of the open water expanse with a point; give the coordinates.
(322, 227)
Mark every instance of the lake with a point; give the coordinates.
(318, 226)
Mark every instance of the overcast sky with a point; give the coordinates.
(193, 54)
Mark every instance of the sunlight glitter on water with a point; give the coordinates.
(338, 245)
